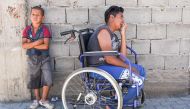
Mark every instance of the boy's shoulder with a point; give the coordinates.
(46, 31)
(45, 27)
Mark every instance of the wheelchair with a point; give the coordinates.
(92, 88)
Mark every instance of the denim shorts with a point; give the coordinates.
(39, 70)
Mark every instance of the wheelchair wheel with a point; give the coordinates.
(80, 91)
(139, 102)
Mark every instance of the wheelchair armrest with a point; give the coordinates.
(100, 53)
(133, 51)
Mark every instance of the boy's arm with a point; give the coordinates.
(123, 49)
(105, 45)
(43, 46)
(27, 44)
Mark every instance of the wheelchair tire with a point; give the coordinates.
(86, 96)
(143, 96)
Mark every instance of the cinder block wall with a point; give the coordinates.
(158, 31)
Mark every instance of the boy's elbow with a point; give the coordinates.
(24, 46)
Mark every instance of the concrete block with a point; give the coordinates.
(74, 48)
(77, 63)
(4, 92)
(151, 61)
(164, 47)
(186, 15)
(141, 46)
(54, 15)
(83, 26)
(64, 64)
(152, 3)
(129, 44)
(58, 80)
(87, 3)
(96, 15)
(77, 15)
(1, 19)
(151, 31)
(137, 15)
(32, 3)
(185, 46)
(123, 3)
(131, 31)
(15, 89)
(179, 3)
(11, 60)
(162, 83)
(58, 49)
(176, 62)
(2, 62)
(59, 2)
(56, 29)
(175, 31)
(166, 15)
(131, 58)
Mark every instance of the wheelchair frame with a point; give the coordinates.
(86, 33)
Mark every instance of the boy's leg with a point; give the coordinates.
(35, 103)
(34, 79)
(37, 94)
(46, 82)
(46, 77)
(45, 92)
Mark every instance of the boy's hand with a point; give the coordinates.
(135, 71)
(123, 29)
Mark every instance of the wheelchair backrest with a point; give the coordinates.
(84, 36)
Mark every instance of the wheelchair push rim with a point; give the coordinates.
(89, 96)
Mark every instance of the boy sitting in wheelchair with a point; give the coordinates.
(100, 87)
(104, 39)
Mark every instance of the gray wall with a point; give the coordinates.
(12, 57)
(158, 31)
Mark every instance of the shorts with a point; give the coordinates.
(39, 70)
(123, 73)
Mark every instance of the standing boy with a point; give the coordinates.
(35, 40)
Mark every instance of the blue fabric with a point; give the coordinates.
(116, 71)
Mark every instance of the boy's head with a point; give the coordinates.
(37, 14)
(114, 14)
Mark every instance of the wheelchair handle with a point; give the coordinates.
(86, 30)
(72, 32)
(68, 32)
(75, 31)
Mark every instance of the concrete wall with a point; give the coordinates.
(158, 31)
(12, 57)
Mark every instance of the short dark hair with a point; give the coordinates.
(112, 10)
(38, 8)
